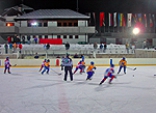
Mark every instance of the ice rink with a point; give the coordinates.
(27, 91)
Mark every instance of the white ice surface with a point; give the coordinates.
(27, 91)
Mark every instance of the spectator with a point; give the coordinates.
(10, 47)
(23, 39)
(20, 48)
(14, 47)
(28, 39)
(18, 41)
(76, 56)
(133, 48)
(127, 47)
(9, 39)
(36, 56)
(105, 47)
(6, 48)
(35, 39)
(101, 47)
(47, 46)
(67, 46)
(95, 45)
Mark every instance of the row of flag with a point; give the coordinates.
(124, 20)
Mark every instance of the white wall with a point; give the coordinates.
(97, 61)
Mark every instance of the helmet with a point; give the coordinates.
(112, 65)
(48, 60)
(7, 58)
(92, 63)
(123, 58)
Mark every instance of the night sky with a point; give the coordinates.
(134, 6)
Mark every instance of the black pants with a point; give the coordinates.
(68, 69)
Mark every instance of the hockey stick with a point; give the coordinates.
(133, 69)
(56, 72)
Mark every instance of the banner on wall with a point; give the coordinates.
(51, 41)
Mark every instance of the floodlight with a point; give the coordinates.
(136, 31)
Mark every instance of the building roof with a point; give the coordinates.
(53, 14)
(15, 10)
(25, 7)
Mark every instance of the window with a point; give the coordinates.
(76, 36)
(29, 25)
(75, 24)
(40, 24)
(59, 24)
(64, 36)
(9, 24)
(64, 24)
(70, 24)
(70, 36)
(45, 24)
(40, 36)
(46, 36)
(58, 36)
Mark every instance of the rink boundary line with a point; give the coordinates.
(100, 65)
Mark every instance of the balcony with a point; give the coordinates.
(46, 30)
(56, 30)
(8, 30)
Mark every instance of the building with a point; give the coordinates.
(64, 24)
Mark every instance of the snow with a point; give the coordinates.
(27, 91)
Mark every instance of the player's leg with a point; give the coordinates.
(119, 69)
(48, 70)
(66, 72)
(103, 80)
(5, 69)
(90, 74)
(9, 70)
(112, 77)
(41, 68)
(76, 70)
(71, 74)
(125, 69)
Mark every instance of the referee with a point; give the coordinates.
(68, 65)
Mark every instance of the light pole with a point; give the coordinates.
(135, 31)
(77, 5)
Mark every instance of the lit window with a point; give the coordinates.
(9, 24)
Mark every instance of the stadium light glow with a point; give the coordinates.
(136, 31)
(34, 24)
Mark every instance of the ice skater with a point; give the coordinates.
(46, 67)
(122, 64)
(109, 73)
(90, 71)
(7, 65)
(79, 66)
(42, 65)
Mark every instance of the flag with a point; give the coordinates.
(123, 20)
(102, 19)
(120, 19)
(110, 19)
(129, 19)
(150, 21)
(145, 20)
(140, 17)
(115, 17)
